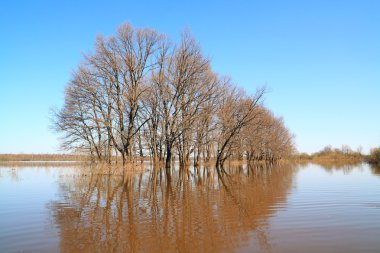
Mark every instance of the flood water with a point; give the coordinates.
(287, 208)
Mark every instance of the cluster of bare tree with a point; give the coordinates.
(141, 95)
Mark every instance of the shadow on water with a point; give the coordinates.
(194, 211)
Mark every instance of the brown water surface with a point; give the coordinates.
(287, 208)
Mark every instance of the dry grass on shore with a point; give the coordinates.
(40, 157)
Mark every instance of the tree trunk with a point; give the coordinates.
(168, 157)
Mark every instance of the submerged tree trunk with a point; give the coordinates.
(168, 157)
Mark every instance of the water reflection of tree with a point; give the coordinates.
(194, 211)
(346, 166)
(375, 169)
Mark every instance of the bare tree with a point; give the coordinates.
(236, 111)
(119, 68)
(184, 83)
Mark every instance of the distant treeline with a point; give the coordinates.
(142, 95)
(329, 153)
(40, 157)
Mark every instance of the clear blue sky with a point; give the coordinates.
(320, 59)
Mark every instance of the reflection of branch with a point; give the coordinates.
(263, 238)
(229, 193)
